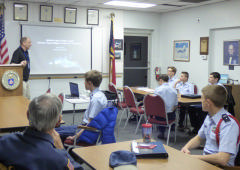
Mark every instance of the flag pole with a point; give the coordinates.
(110, 59)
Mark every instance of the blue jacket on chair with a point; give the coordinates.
(104, 121)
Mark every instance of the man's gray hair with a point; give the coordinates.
(44, 112)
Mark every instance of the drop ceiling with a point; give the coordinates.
(162, 5)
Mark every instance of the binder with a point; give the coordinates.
(191, 96)
(157, 152)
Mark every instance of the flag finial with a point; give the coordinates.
(112, 15)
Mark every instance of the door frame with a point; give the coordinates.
(142, 33)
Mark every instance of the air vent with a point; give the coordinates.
(172, 5)
(193, 1)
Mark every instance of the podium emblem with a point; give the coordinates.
(10, 80)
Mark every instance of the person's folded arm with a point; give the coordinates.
(220, 158)
(193, 143)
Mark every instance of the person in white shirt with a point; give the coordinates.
(184, 87)
(171, 75)
(169, 95)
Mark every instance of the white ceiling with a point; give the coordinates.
(176, 4)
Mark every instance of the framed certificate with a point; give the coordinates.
(70, 15)
(20, 12)
(204, 45)
(46, 13)
(92, 16)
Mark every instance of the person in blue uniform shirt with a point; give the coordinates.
(21, 56)
(169, 95)
(98, 102)
(39, 146)
(183, 87)
(224, 153)
(171, 72)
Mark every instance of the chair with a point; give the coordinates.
(132, 106)
(120, 103)
(61, 97)
(49, 90)
(195, 89)
(154, 106)
(99, 130)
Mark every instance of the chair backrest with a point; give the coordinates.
(61, 97)
(195, 89)
(49, 90)
(129, 97)
(154, 106)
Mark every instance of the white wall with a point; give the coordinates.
(183, 25)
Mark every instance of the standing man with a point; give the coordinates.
(21, 56)
(184, 87)
(222, 152)
(169, 95)
(171, 74)
(39, 146)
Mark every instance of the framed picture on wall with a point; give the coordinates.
(204, 45)
(231, 52)
(181, 50)
(20, 12)
(118, 44)
(70, 15)
(92, 16)
(46, 13)
(135, 51)
(118, 54)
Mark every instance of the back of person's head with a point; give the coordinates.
(173, 69)
(164, 77)
(44, 112)
(216, 75)
(94, 76)
(23, 39)
(185, 74)
(217, 94)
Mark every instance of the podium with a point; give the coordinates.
(15, 68)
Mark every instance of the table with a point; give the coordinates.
(13, 112)
(80, 100)
(97, 157)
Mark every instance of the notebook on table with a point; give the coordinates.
(73, 90)
(191, 96)
(149, 150)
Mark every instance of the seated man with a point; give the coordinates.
(39, 146)
(98, 102)
(224, 152)
(169, 95)
(184, 87)
(171, 71)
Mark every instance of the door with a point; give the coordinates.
(135, 61)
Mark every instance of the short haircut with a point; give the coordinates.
(217, 94)
(164, 77)
(186, 74)
(173, 69)
(94, 76)
(44, 112)
(216, 75)
(23, 39)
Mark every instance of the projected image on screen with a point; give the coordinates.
(59, 50)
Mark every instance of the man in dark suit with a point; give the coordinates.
(231, 58)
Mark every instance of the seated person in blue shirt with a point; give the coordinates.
(196, 114)
(184, 87)
(171, 72)
(39, 146)
(224, 152)
(98, 102)
(169, 95)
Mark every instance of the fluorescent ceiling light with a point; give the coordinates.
(130, 4)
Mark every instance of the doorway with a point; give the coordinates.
(135, 61)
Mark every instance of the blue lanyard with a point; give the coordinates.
(26, 57)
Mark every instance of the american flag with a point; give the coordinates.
(112, 54)
(3, 49)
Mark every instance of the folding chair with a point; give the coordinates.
(120, 103)
(132, 106)
(154, 106)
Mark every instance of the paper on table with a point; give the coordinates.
(146, 89)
